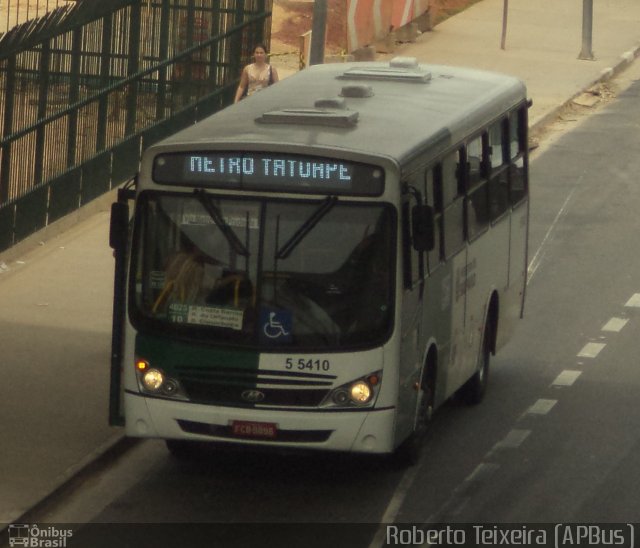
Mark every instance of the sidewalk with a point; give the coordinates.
(55, 313)
(544, 39)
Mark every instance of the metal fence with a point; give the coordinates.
(88, 85)
(16, 12)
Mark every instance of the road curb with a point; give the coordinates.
(95, 461)
(606, 74)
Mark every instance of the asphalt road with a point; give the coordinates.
(555, 440)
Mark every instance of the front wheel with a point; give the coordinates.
(473, 391)
(182, 450)
(410, 451)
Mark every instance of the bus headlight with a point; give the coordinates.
(155, 381)
(152, 380)
(361, 392)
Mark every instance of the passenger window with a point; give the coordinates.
(499, 192)
(474, 162)
(517, 140)
(518, 183)
(433, 198)
(452, 183)
(453, 203)
(514, 135)
(477, 193)
(497, 144)
(499, 177)
(413, 260)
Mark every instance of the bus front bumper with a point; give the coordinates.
(363, 431)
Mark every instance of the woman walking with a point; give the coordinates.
(256, 76)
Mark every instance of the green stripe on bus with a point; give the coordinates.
(170, 355)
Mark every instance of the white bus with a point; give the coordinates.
(322, 265)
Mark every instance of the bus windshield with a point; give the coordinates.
(264, 273)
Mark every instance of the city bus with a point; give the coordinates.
(323, 264)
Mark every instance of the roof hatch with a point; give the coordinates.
(404, 69)
(325, 113)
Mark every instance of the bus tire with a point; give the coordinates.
(181, 449)
(473, 391)
(408, 453)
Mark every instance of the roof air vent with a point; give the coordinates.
(334, 117)
(409, 63)
(331, 102)
(400, 69)
(357, 91)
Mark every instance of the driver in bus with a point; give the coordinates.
(183, 277)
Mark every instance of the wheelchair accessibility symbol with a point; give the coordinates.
(273, 328)
(276, 325)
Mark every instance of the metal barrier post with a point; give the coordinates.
(318, 32)
(74, 96)
(505, 14)
(9, 102)
(133, 65)
(103, 101)
(305, 49)
(43, 94)
(587, 26)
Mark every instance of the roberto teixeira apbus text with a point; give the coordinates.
(561, 534)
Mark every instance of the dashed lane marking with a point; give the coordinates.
(541, 407)
(482, 471)
(591, 350)
(634, 301)
(615, 325)
(566, 378)
(512, 440)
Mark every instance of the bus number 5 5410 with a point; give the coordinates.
(312, 365)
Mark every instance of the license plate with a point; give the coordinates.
(251, 429)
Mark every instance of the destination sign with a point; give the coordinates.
(269, 172)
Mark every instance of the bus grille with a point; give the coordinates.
(226, 386)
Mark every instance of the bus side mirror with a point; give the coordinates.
(422, 228)
(119, 227)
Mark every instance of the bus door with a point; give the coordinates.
(517, 199)
(487, 230)
(455, 253)
(511, 189)
(412, 347)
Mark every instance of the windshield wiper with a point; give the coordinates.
(290, 245)
(214, 213)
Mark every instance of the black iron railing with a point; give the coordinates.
(87, 86)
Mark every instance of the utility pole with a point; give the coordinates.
(505, 11)
(587, 26)
(318, 32)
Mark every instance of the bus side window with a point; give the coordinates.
(413, 260)
(453, 203)
(499, 175)
(433, 198)
(517, 153)
(477, 188)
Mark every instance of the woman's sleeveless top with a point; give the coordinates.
(258, 78)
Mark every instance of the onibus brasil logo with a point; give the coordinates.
(37, 536)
